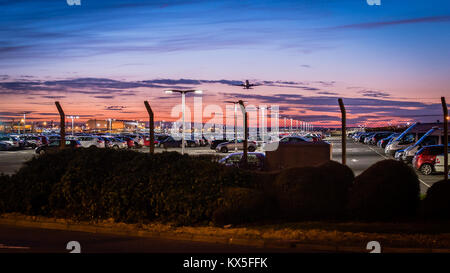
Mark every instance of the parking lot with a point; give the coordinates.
(359, 158)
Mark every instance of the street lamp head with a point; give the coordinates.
(168, 91)
(198, 91)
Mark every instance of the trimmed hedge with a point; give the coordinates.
(128, 186)
(387, 190)
(314, 192)
(436, 205)
(240, 205)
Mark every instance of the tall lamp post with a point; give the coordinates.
(24, 123)
(183, 109)
(72, 118)
(235, 123)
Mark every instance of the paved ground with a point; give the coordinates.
(25, 240)
(359, 158)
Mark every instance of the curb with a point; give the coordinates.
(260, 243)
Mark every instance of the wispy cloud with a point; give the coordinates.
(379, 24)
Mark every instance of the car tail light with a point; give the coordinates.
(100, 141)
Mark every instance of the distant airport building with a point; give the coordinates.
(113, 125)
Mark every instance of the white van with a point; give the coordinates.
(439, 165)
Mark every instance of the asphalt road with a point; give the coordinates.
(359, 158)
(36, 240)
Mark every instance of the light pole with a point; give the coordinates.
(183, 109)
(291, 127)
(263, 121)
(235, 123)
(110, 120)
(24, 123)
(72, 118)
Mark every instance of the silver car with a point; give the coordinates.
(115, 143)
(89, 141)
(231, 146)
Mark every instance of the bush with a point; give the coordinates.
(128, 186)
(240, 205)
(436, 205)
(387, 190)
(314, 192)
(28, 190)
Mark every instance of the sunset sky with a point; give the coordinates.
(389, 63)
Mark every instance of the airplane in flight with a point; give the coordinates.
(247, 85)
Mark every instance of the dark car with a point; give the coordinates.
(4, 146)
(255, 161)
(383, 142)
(216, 142)
(170, 142)
(54, 146)
(378, 136)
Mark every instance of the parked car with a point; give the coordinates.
(170, 142)
(90, 141)
(255, 161)
(138, 139)
(439, 165)
(31, 141)
(231, 145)
(398, 155)
(147, 140)
(5, 146)
(115, 143)
(54, 146)
(368, 137)
(216, 142)
(294, 139)
(383, 142)
(426, 159)
(14, 142)
(128, 140)
(411, 135)
(378, 136)
(429, 138)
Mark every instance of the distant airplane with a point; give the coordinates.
(247, 85)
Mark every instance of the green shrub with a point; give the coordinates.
(240, 205)
(314, 192)
(436, 205)
(387, 190)
(128, 186)
(30, 187)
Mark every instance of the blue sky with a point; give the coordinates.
(399, 48)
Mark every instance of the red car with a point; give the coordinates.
(147, 141)
(130, 141)
(425, 158)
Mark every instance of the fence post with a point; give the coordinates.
(445, 110)
(244, 112)
(344, 132)
(62, 125)
(152, 127)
